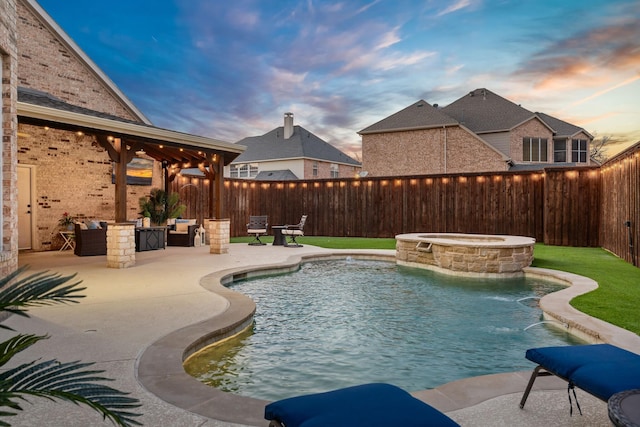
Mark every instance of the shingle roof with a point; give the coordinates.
(302, 144)
(483, 111)
(542, 166)
(44, 99)
(560, 127)
(420, 115)
(281, 175)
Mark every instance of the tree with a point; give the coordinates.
(71, 381)
(598, 149)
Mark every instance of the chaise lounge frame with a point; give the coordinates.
(601, 370)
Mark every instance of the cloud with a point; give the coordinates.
(589, 58)
(458, 5)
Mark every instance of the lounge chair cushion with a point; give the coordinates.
(605, 379)
(599, 369)
(371, 405)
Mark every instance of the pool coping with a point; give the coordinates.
(159, 368)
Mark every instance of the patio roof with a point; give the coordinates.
(180, 149)
(123, 138)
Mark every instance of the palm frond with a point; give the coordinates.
(15, 345)
(72, 382)
(42, 288)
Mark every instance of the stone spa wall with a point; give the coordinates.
(466, 254)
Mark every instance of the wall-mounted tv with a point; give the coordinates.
(139, 172)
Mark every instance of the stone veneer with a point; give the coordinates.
(8, 132)
(466, 254)
(219, 236)
(121, 245)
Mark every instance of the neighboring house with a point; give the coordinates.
(290, 153)
(480, 132)
(74, 131)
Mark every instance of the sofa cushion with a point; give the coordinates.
(182, 227)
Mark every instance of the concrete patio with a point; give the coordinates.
(127, 311)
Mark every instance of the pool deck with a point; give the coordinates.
(129, 312)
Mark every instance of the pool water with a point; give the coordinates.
(333, 324)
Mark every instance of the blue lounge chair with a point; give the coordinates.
(368, 405)
(599, 369)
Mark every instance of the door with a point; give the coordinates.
(25, 211)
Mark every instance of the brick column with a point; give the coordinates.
(219, 230)
(121, 245)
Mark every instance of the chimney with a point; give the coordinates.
(288, 125)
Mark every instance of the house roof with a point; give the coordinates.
(281, 175)
(560, 127)
(41, 108)
(482, 111)
(420, 115)
(542, 166)
(302, 144)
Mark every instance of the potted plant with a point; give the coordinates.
(67, 221)
(146, 220)
(161, 206)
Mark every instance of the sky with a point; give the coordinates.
(231, 69)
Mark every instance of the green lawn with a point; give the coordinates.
(617, 299)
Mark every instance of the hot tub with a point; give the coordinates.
(466, 254)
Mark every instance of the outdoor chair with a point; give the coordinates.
(182, 232)
(257, 226)
(90, 242)
(294, 231)
(601, 370)
(371, 405)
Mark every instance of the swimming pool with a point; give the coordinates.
(333, 324)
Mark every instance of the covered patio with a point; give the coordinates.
(122, 140)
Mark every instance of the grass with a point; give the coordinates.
(616, 300)
(618, 295)
(332, 242)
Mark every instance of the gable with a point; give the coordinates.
(51, 62)
(561, 128)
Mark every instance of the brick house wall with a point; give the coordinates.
(9, 84)
(465, 156)
(532, 128)
(46, 64)
(72, 174)
(420, 152)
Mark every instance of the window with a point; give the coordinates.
(534, 149)
(244, 171)
(314, 170)
(559, 150)
(253, 170)
(579, 150)
(334, 170)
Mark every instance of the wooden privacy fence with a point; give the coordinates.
(558, 207)
(619, 228)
